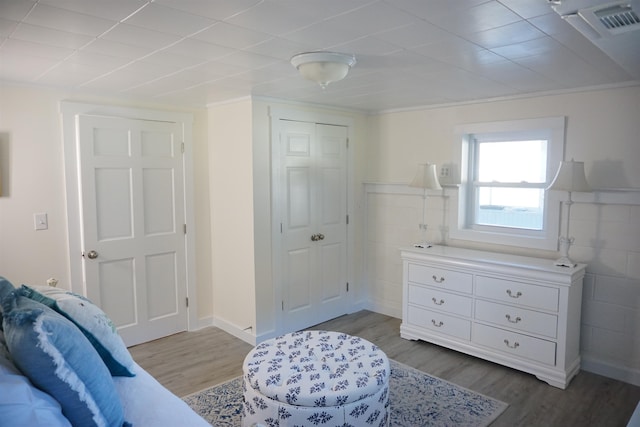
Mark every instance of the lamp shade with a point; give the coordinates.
(570, 177)
(323, 67)
(426, 177)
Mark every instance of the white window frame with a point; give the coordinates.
(547, 238)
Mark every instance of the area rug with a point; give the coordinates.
(417, 399)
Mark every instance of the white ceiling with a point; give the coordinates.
(196, 52)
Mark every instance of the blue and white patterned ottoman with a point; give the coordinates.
(316, 378)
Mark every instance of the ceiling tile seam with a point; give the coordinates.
(567, 46)
(461, 68)
(132, 13)
(506, 58)
(328, 18)
(122, 21)
(197, 65)
(204, 83)
(77, 50)
(337, 45)
(26, 15)
(141, 58)
(187, 69)
(240, 12)
(524, 18)
(178, 72)
(586, 59)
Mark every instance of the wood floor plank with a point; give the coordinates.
(191, 361)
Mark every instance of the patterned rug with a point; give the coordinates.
(417, 399)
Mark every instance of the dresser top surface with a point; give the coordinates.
(485, 257)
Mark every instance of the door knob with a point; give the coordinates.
(92, 254)
(314, 238)
(320, 236)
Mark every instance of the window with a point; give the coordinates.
(505, 169)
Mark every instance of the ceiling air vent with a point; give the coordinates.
(612, 26)
(597, 18)
(618, 18)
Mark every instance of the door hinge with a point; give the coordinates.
(347, 142)
(347, 219)
(282, 305)
(347, 286)
(184, 228)
(280, 228)
(187, 301)
(182, 147)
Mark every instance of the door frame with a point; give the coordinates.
(69, 110)
(276, 114)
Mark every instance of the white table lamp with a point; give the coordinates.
(570, 177)
(427, 179)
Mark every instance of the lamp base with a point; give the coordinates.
(564, 262)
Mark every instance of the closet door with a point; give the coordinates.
(313, 223)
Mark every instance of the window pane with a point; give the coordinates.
(510, 207)
(505, 167)
(512, 161)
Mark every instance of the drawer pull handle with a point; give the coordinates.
(435, 279)
(517, 295)
(436, 301)
(515, 344)
(517, 319)
(437, 325)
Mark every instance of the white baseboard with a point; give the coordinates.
(203, 322)
(234, 330)
(358, 306)
(620, 373)
(382, 308)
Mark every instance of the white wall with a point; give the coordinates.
(33, 181)
(240, 138)
(32, 167)
(232, 212)
(602, 130)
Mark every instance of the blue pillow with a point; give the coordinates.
(22, 403)
(59, 360)
(5, 288)
(93, 323)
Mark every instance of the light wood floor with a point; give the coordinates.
(191, 361)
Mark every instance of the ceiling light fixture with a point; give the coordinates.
(323, 67)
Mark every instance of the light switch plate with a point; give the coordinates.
(40, 221)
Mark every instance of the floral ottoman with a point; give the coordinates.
(316, 378)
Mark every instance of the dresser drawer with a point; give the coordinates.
(516, 344)
(440, 300)
(440, 278)
(517, 318)
(439, 322)
(519, 293)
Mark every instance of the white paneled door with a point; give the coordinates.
(133, 233)
(313, 207)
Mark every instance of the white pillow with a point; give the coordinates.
(92, 322)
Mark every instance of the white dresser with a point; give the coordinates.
(518, 311)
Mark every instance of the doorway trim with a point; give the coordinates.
(276, 114)
(69, 111)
